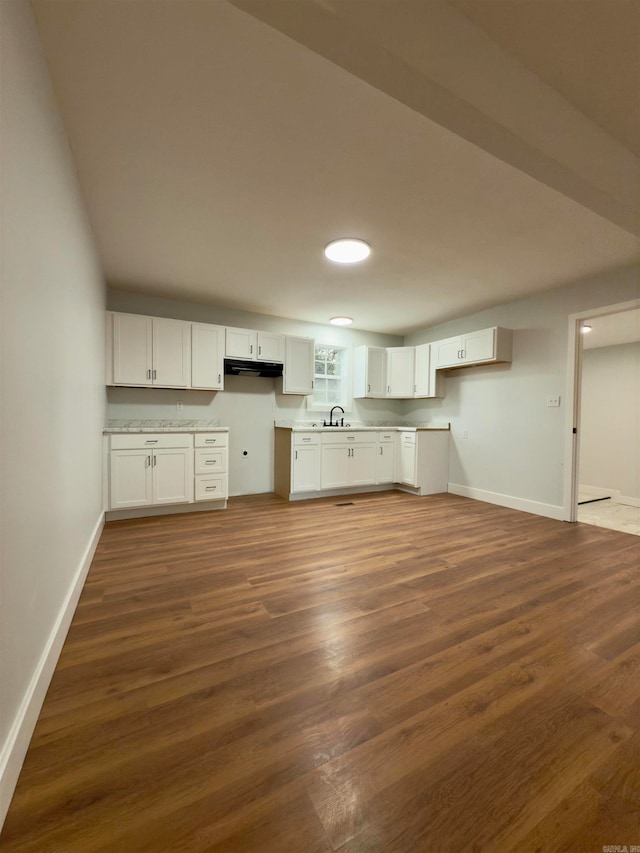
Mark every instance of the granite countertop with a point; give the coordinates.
(147, 425)
(305, 426)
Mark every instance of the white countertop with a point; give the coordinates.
(146, 425)
(315, 426)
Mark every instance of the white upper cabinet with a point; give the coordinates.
(171, 353)
(130, 336)
(401, 371)
(369, 372)
(207, 356)
(254, 346)
(486, 346)
(270, 347)
(297, 377)
(147, 351)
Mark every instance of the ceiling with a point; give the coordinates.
(485, 149)
(613, 329)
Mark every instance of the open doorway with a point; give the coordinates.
(603, 451)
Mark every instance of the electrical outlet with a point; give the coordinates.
(553, 401)
(179, 405)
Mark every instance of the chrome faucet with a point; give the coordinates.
(331, 423)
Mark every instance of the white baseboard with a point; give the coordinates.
(15, 747)
(535, 507)
(614, 494)
(598, 491)
(627, 500)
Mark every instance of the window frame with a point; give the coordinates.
(346, 389)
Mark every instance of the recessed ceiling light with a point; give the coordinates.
(341, 321)
(586, 328)
(347, 251)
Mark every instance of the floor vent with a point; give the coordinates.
(346, 503)
(594, 500)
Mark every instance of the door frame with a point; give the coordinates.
(573, 399)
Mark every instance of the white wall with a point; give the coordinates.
(53, 398)
(514, 450)
(248, 406)
(610, 419)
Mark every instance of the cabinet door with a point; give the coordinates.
(132, 349)
(305, 469)
(407, 459)
(479, 346)
(385, 463)
(171, 353)
(172, 476)
(376, 372)
(297, 375)
(130, 478)
(270, 347)
(448, 352)
(362, 465)
(335, 466)
(241, 343)
(207, 356)
(400, 371)
(423, 371)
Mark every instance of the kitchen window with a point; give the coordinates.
(331, 379)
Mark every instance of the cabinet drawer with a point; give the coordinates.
(210, 439)
(408, 437)
(364, 437)
(302, 438)
(210, 488)
(208, 461)
(151, 441)
(384, 437)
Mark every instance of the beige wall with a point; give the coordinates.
(53, 398)
(610, 419)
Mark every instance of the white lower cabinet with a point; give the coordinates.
(348, 459)
(423, 460)
(147, 470)
(305, 463)
(152, 470)
(385, 458)
(211, 466)
(315, 461)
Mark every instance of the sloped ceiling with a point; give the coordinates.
(220, 145)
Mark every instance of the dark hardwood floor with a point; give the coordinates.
(394, 675)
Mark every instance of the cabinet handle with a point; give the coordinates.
(148, 461)
(154, 374)
(306, 439)
(388, 389)
(251, 348)
(210, 440)
(219, 379)
(209, 461)
(259, 350)
(415, 388)
(210, 488)
(368, 388)
(155, 460)
(148, 374)
(151, 441)
(380, 451)
(351, 438)
(296, 454)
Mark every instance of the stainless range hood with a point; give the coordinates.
(239, 367)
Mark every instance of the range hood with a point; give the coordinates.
(240, 367)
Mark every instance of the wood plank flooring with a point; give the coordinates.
(395, 675)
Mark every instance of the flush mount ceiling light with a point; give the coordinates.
(586, 328)
(341, 321)
(347, 251)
